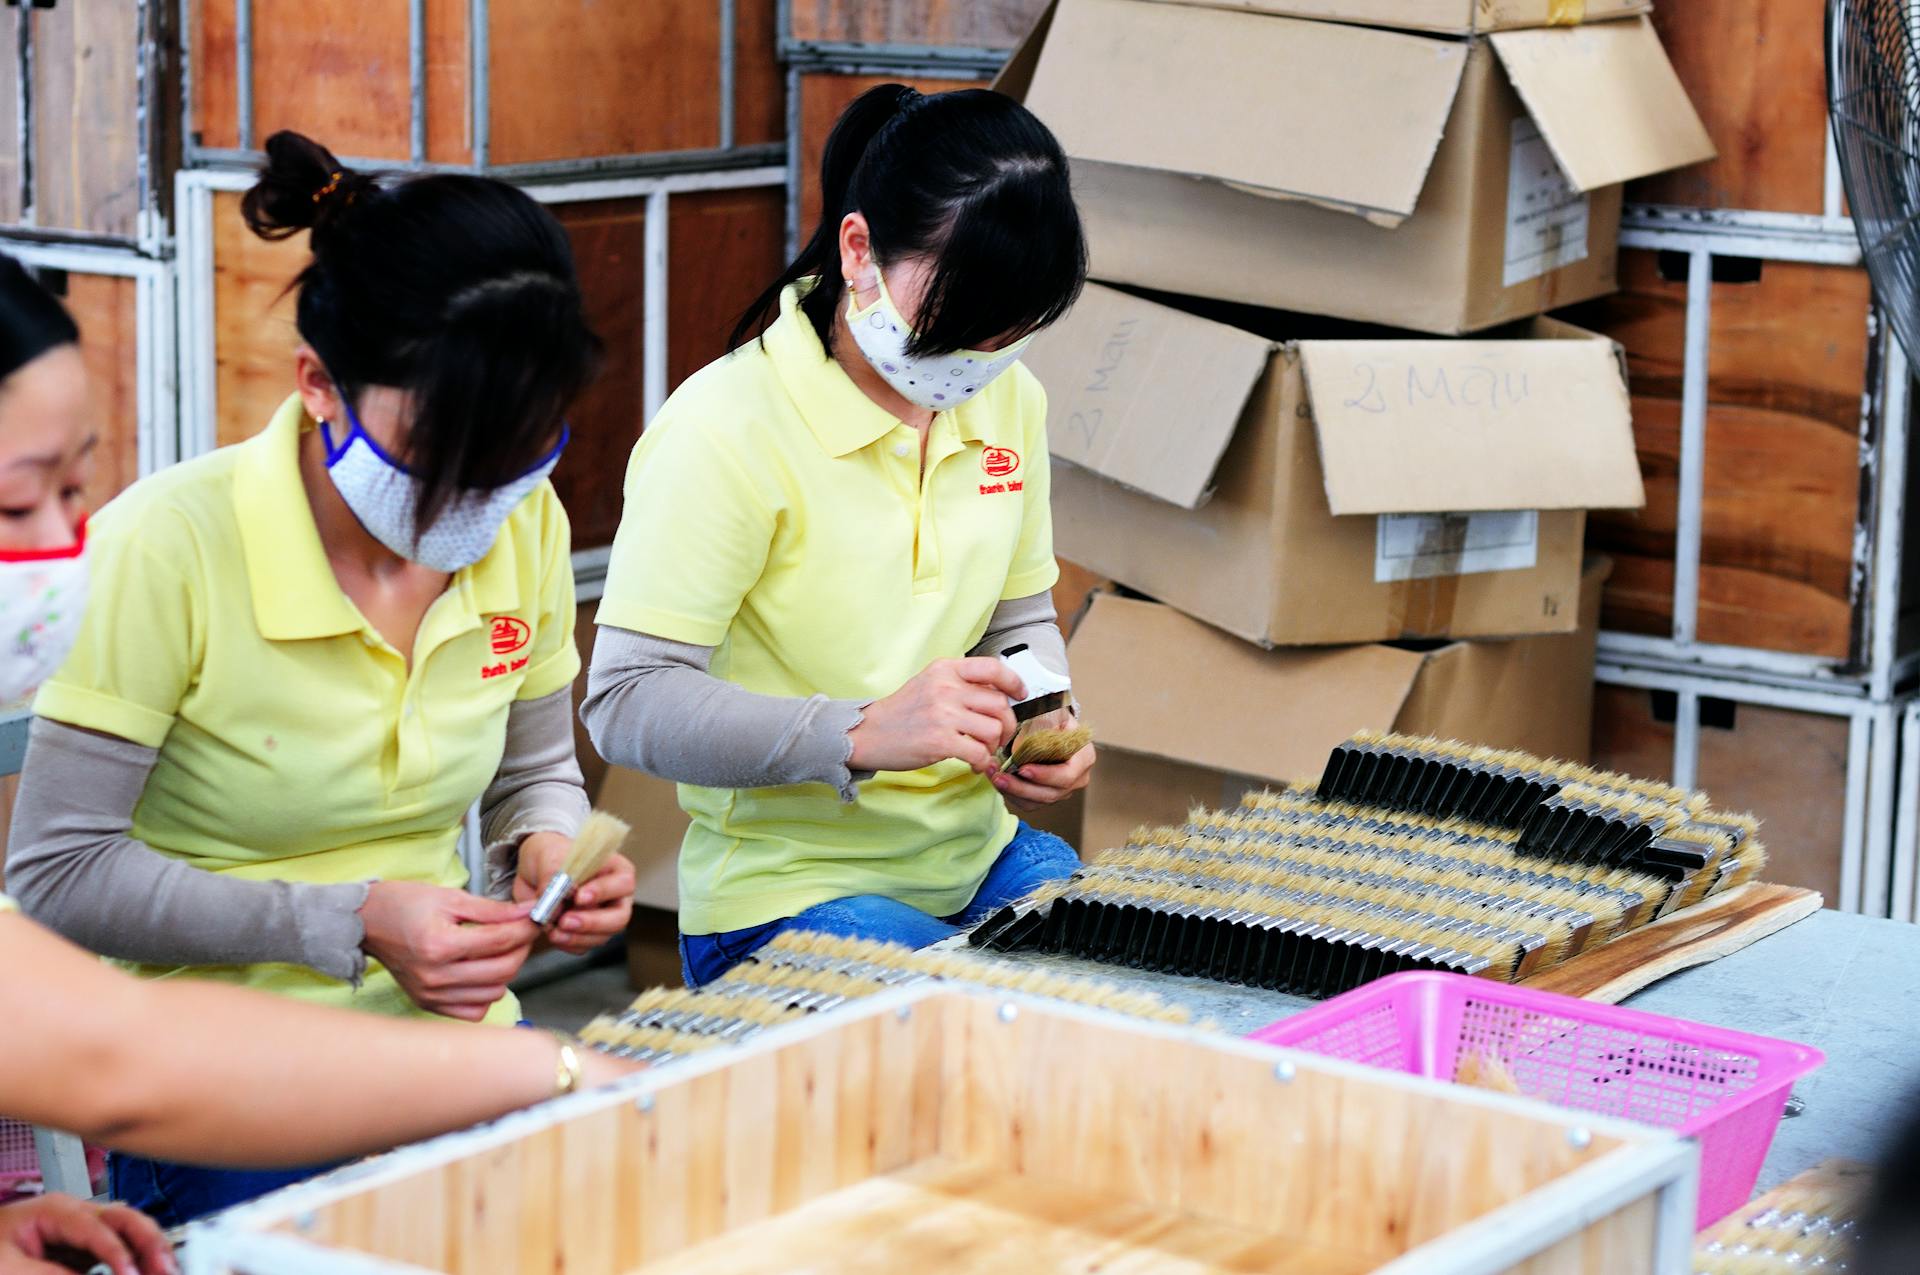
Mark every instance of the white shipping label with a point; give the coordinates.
(1421, 546)
(1546, 215)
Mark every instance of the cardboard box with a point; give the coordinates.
(652, 806)
(1186, 715)
(1438, 184)
(1449, 17)
(1290, 491)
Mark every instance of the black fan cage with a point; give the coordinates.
(1873, 83)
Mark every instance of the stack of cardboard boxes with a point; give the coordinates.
(1341, 524)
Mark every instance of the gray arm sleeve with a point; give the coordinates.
(538, 787)
(652, 706)
(1031, 620)
(72, 867)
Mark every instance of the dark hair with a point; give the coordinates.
(970, 178)
(32, 320)
(459, 290)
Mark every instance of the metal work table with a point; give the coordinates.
(1848, 985)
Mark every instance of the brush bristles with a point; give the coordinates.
(1809, 1223)
(1048, 747)
(600, 837)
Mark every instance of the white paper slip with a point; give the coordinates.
(1546, 215)
(1421, 546)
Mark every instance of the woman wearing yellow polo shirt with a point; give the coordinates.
(831, 534)
(309, 654)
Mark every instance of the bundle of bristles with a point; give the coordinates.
(1807, 1224)
(1415, 854)
(801, 973)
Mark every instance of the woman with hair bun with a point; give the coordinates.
(310, 653)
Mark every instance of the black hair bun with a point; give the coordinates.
(301, 186)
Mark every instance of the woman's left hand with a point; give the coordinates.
(1037, 787)
(599, 909)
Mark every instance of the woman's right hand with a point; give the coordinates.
(33, 1233)
(452, 952)
(951, 709)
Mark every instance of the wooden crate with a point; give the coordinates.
(87, 117)
(723, 246)
(1789, 768)
(1787, 363)
(822, 96)
(1754, 71)
(578, 81)
(939, 1129)
(986, 24)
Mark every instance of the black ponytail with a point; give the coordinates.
(969, 178)
(459, 290)
(32, 320)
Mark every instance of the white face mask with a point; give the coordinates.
(43, 595)
(937, 381)
(383, 496)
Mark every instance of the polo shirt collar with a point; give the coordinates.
(295, 593)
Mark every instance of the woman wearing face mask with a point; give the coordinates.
(309, 654)
(181, 1068)
(832, 534)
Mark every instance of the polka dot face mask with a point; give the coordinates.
(937, 381)
(383, 495)
(43, 594)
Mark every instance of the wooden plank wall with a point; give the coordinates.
(86, 117)
(1788, 768)
(606, 79)
(1786, 367)
(823, 95)
(989, 24)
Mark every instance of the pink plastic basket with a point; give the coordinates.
(20, 1161)
(1725, 1088)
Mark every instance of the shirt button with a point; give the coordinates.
(407, 711)
(900, 449)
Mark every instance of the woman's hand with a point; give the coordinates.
(952, 709)
(452, 952)
(1038, 786)
(34, 1233)
(599, 909)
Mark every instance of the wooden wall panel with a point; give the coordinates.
(9, 118)
(254, 336)
(759, 83)
(1755, 73)
(609, 249)
(105, 308)
(86, 118)
(723, 247)
(989, 24)
(823, 95)
(1788, 768)
(1786, 367)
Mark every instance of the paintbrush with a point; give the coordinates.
(599, 838)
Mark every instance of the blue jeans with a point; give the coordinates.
(1030, 860)
(174, 1194)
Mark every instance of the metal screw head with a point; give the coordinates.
(1579, 1137)
(1009, 1012)
(903, 1013)
(1284, 1071)
(306, 1222)
(643, 1104)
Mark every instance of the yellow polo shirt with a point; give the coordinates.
(295, 742)
(775, 512)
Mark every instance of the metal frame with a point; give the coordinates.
(726, 154)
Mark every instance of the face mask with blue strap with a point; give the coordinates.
(384, 495)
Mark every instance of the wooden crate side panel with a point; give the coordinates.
(1362, 1166)
(1755, 73)
(988, 24)
(1786, 368)
(86, 114)
(1623, 1241)
(254, 334)
(723, 247)
(609, 249)
(106, 309)
(1788, 768)
(823, 95)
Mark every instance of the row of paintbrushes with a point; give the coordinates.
(1807, 1224)
(1315, 897)
(800, 973)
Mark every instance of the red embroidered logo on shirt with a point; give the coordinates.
(999, 461)
(509, 635)
(503, 668)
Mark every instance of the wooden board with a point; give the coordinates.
(9, 116)
(597, 80)
(1786, 371)
(105, 307)
(1715, 927)
(1754, 71)
(254, 335)
(823, 95)
(723, 247)
(984, 1219)
(988, 24)
(86, 113)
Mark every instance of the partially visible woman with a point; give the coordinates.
(182, 1069)
(309, 654)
